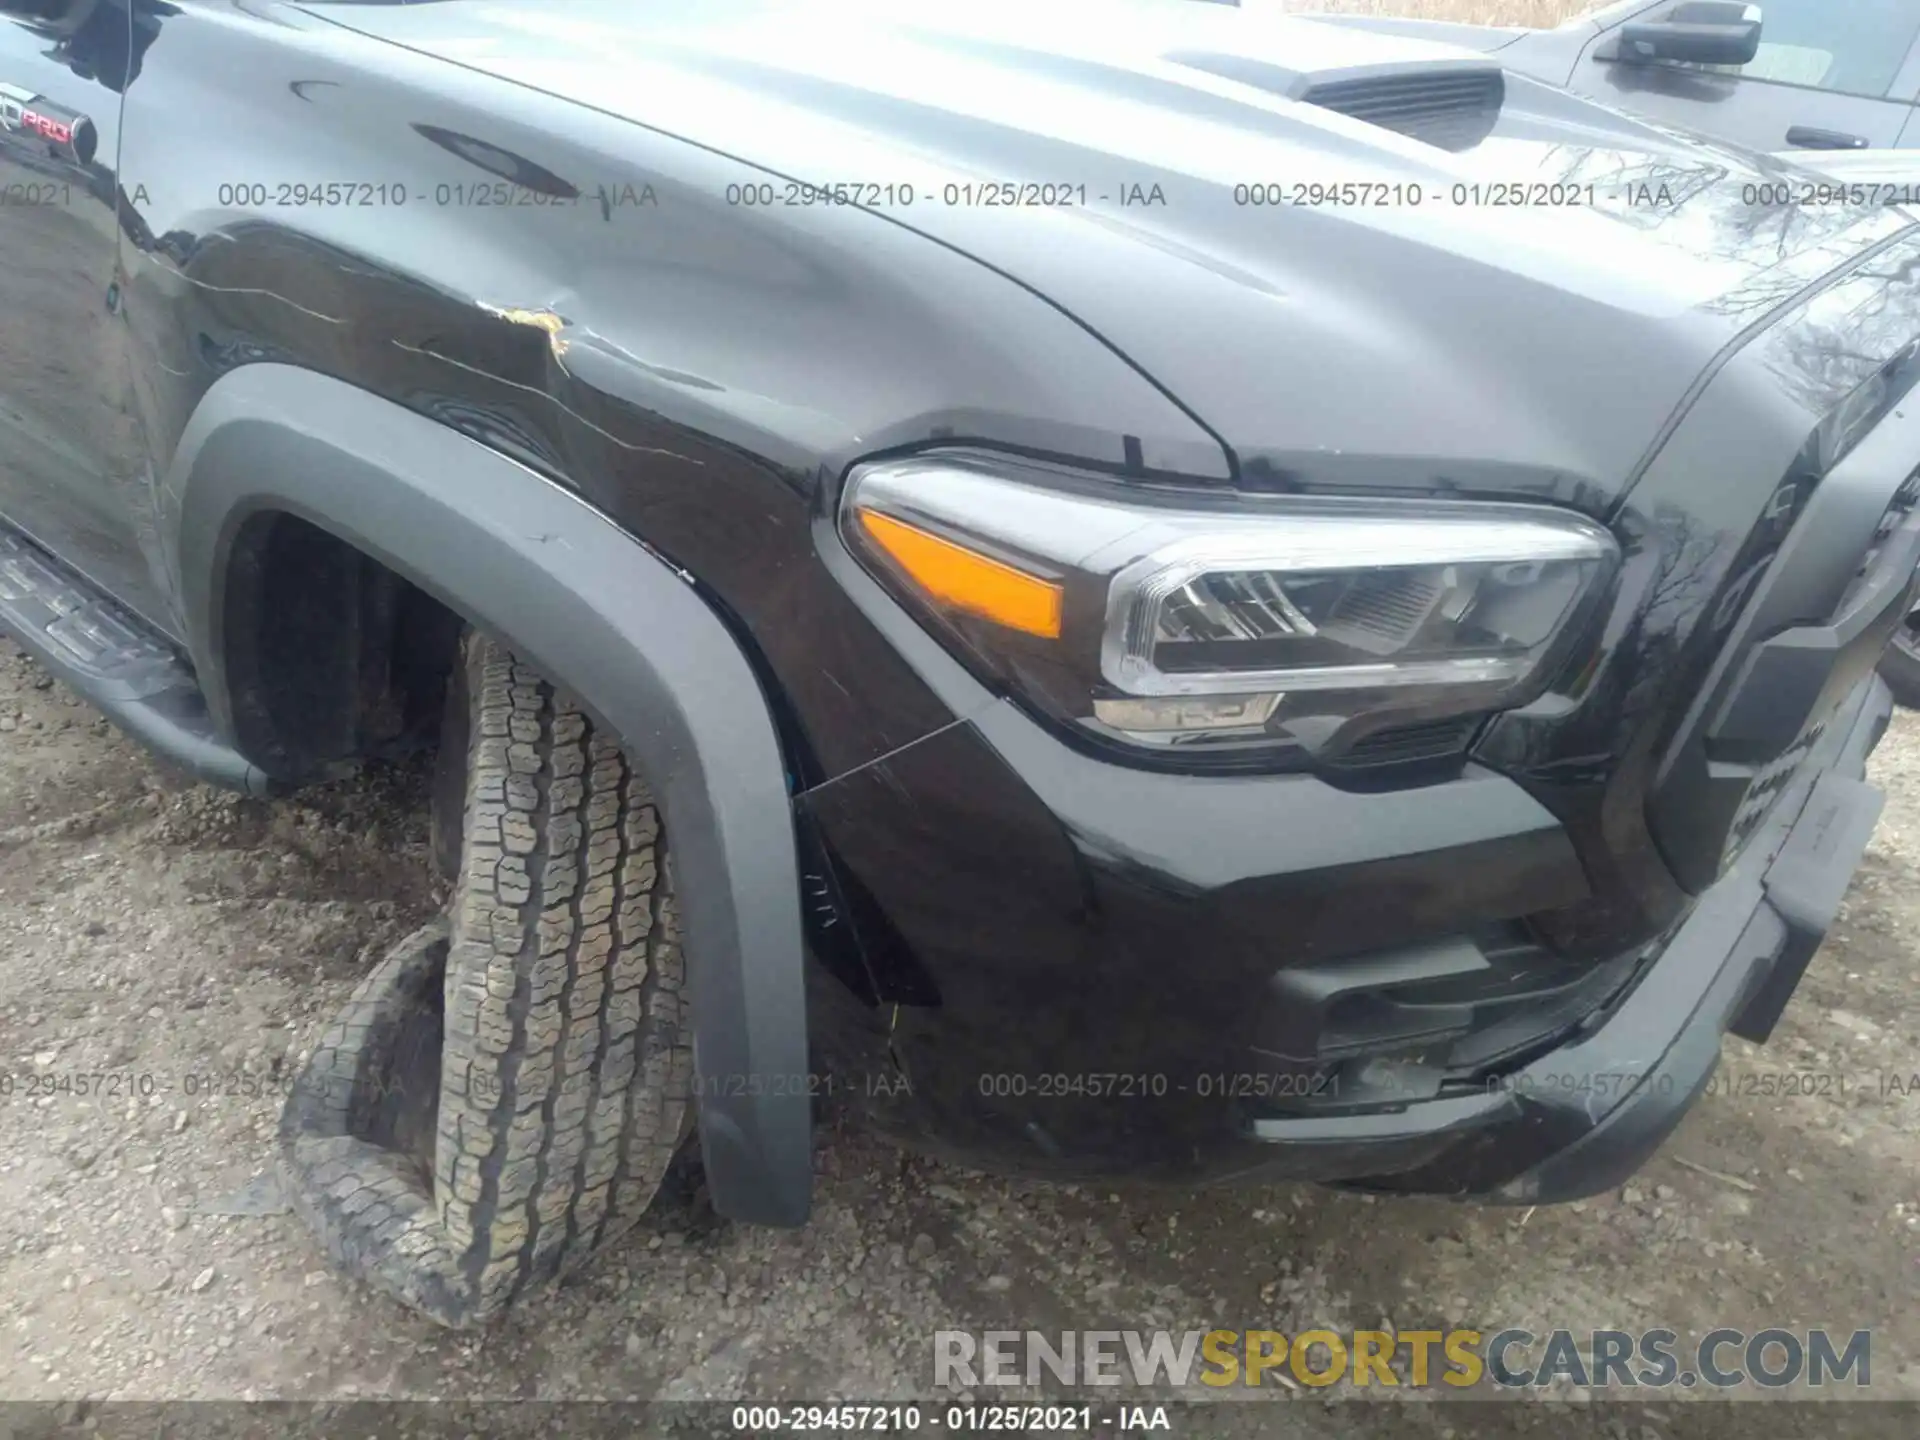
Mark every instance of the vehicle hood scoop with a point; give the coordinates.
(1450, 103)
(1453, 108)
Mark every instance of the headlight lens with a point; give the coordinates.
(1252, 620)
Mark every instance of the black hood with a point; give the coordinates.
(1532, 296)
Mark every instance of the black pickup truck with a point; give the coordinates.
(1129, 589)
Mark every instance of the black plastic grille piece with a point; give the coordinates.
(1450, 109)
(1403, 744)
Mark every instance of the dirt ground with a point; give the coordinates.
(152, 928)
(178, 941)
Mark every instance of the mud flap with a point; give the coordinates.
(1805, 884)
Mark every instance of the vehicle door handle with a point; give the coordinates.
(1807, 137)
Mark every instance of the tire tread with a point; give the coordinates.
(566, 1065)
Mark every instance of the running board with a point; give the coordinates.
(116, 661)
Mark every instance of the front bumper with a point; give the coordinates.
(1582, 1118)
(1508, 982)
(1064, 1031)
(1089, 971)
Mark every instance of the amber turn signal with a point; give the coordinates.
(957, 577)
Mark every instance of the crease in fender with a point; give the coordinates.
(883, 759)
(550, 398)
(213, 289)
(1230, 458)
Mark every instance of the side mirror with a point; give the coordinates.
(1705, 32)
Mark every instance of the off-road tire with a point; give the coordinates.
(564, 1059)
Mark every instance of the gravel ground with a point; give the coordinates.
(157, 929)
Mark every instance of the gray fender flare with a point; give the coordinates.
(536, 566)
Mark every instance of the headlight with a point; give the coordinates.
(1249, 620)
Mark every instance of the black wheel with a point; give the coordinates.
(1900, 664)
(564, 1060)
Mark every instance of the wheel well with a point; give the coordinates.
(330, 656)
